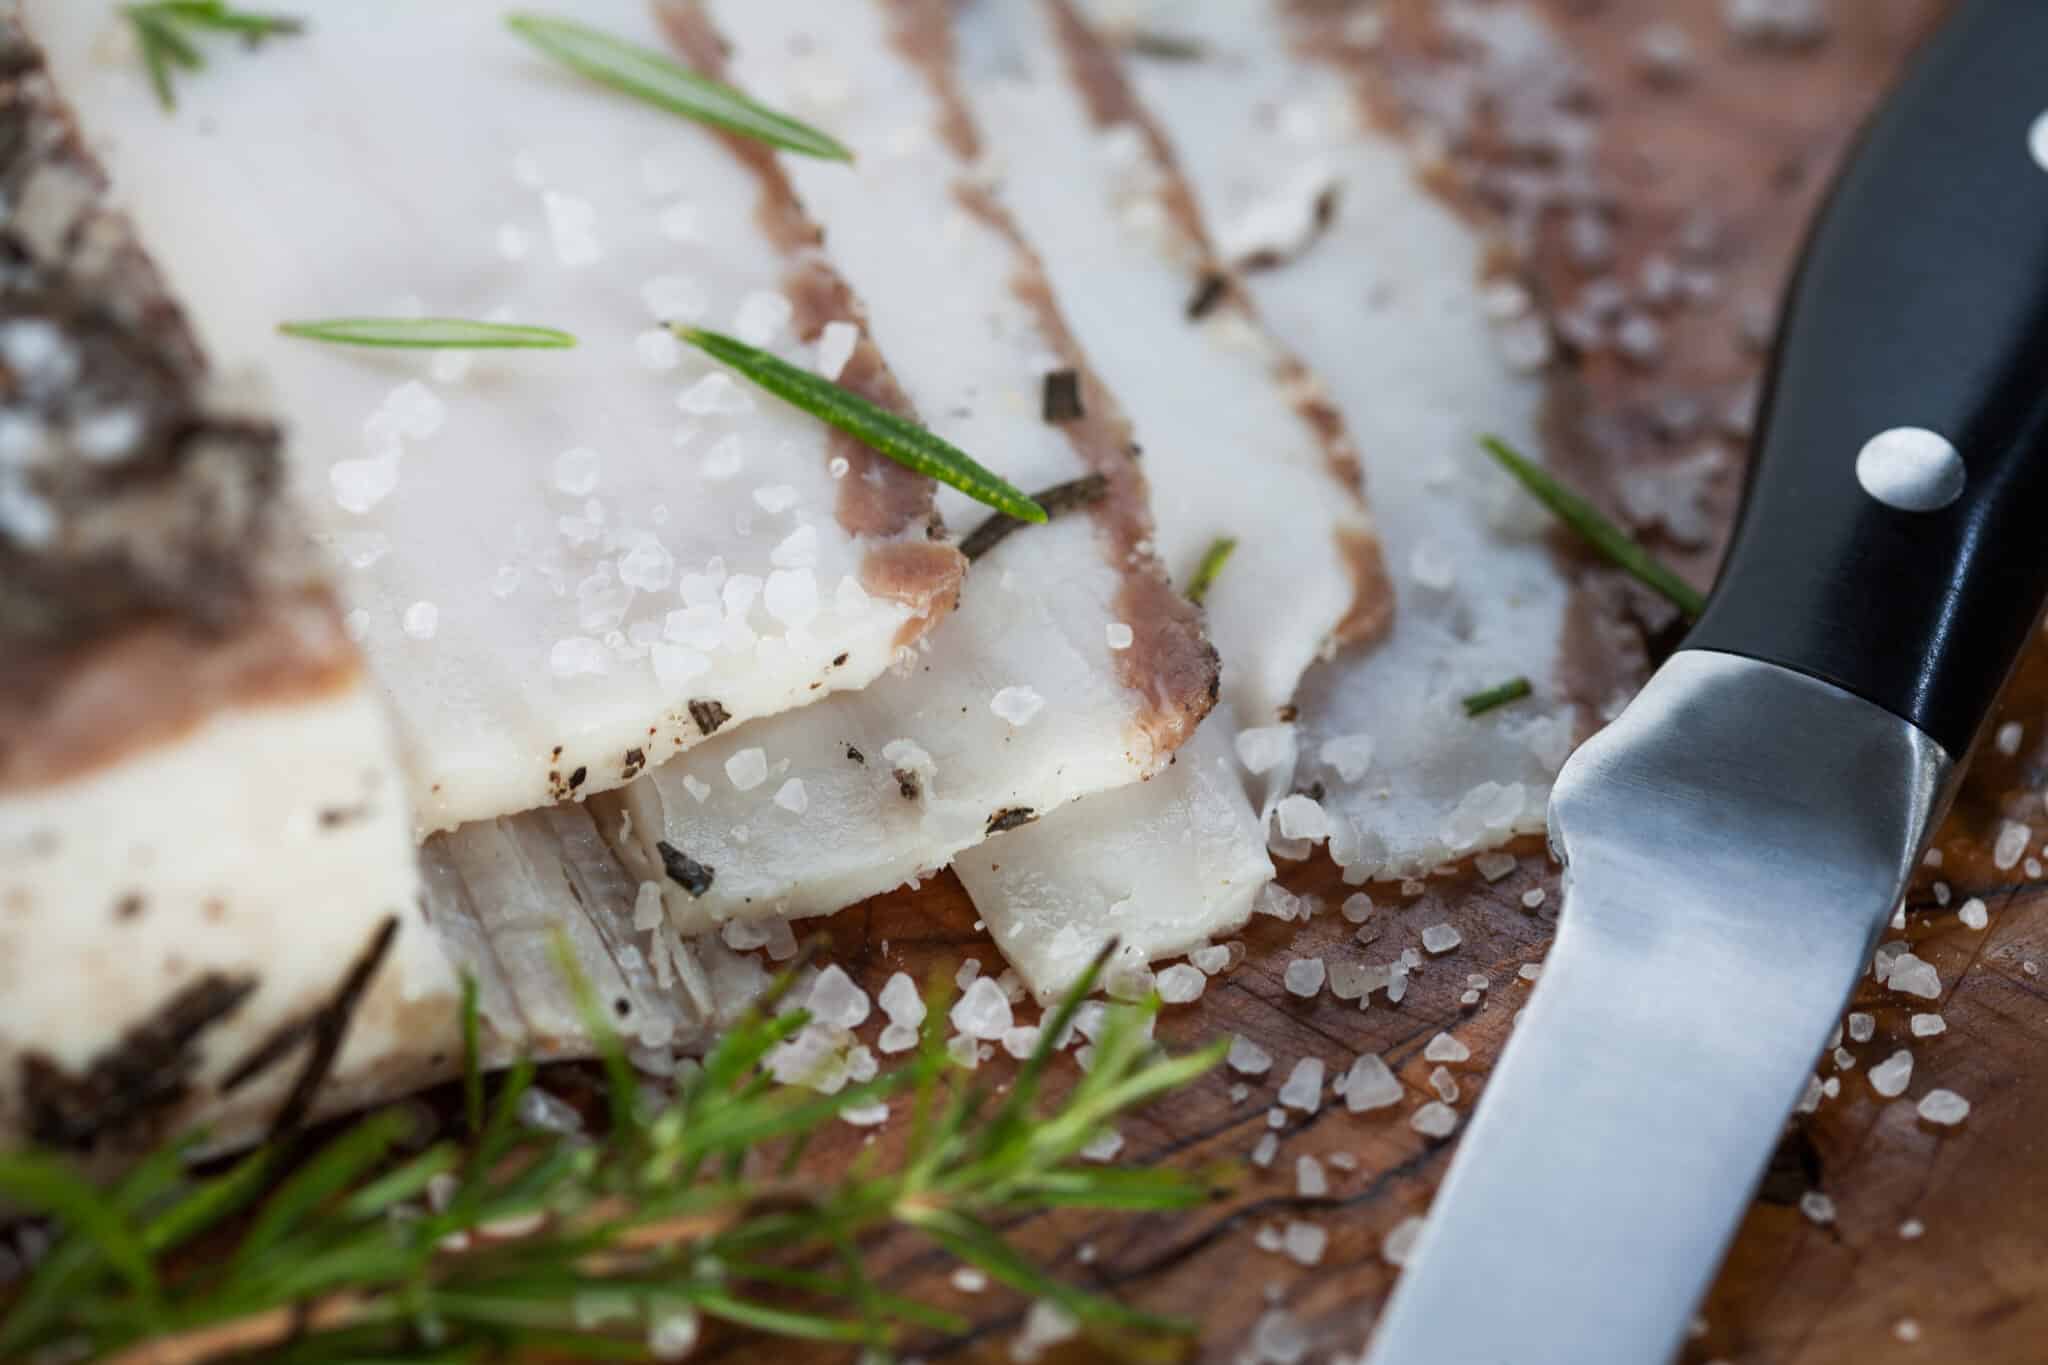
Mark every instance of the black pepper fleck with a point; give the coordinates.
(1061, 400)
(685, 871)
(709, 715)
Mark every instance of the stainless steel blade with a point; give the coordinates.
(1734, 842)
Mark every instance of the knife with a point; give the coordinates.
(1736, 840)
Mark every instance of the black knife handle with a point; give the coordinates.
(1920, 306)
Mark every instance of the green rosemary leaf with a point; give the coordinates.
(430, 333)
(786, 1322)
(905, 442)
(1213, 560)
(1595, 529)
(341, 1162)
(472, 1057)
(1479, 703)
(215, 1199)
(51, 1185)
(406, 1182)
(160, 25)
(650, 76)
(622, 1089)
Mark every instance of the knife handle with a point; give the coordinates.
(1893, 538)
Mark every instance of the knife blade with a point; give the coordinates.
(1735, 841)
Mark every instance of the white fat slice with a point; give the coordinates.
(1025, 698)
(1162, 867)
(202, 818)
(550, 555)
(1237, 443)
(1385, 305)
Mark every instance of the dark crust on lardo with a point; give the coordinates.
(148, 516)
(1170, 666)
(877, 497)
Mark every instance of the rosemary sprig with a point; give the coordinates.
(509, 1238)
(650, 76)
(904, 442)
(1213, 560)
(1479, 703)
(429, 333)
(164, 31)
(1595, 529)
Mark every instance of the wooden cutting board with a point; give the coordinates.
(1751, 136)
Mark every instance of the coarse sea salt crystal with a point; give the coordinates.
(761, 317)
(658, 349)
(2010, 845)
(724, 460)
(1441, 938)
(1304, 976)
(1016, 706)
(1445, 1085)
(1356, 907)
(1927, 1025)
(897, 1038)
(1533, 898)
(1181, 983)
(747, 769)
(835, 347)
(1891, 1076)
(1350, 980)
(1262, 748)
(900, 1001)
(1911, 976)
(1974, 914)
(1303, 1089)
(1309, 1180)
(1047, 1324)
(673, 298)
(572, 229)
(1435, 1119)
(1444, 1048)
(1862, 1027)
(1265, 1149)
(797, 550)
(1494, 866)
(360, 485)
(578, 655)
(1104, 1147)
(1248, 1058)
(576, 471)
(743, 935)
(675, 666)
(836, 1000)
(1301, 817)
(1944, 1107)
(1021, 1040)
(792, 797)
(2008, 740)
(696, 787)
(1817, 1207)
(982, 1011)
(716, 393)
(420, 620)
(1350, 755)
(1304, 1243)
(1399, 1243)
(1212, 959)
(1118, 635)
(791, 596)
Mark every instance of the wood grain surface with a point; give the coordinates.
(1744, 143)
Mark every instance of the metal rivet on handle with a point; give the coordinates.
(2037, 141)
(1910, 468)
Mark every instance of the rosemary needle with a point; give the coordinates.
(650, 76)
(1213, 560)
(876, 427)
(424, 333)
(163, 34)
(1597, 531)
(1479, 703)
